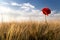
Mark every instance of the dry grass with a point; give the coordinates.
(30, 31)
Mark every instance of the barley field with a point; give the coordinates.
(30, 30)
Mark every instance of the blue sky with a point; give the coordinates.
(23, 9)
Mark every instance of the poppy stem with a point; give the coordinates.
(46, 21)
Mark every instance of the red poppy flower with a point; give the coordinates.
(46, 11)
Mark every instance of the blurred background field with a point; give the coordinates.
(30, 30)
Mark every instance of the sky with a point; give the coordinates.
(16, 10)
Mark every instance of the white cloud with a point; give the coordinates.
(4, 9)
(11, 14)
(4, 3)
(15, 4)
(25, 5)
